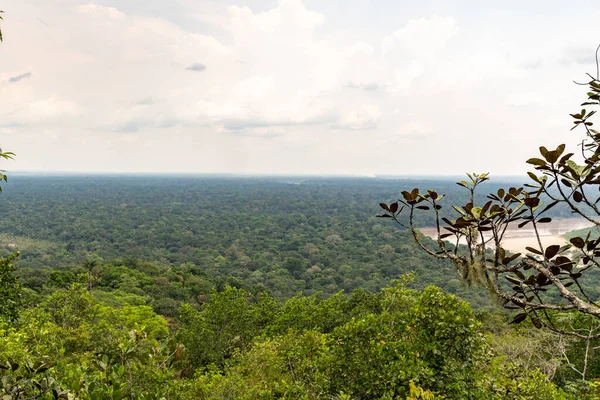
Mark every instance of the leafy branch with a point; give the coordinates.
(1, 12)
(548, 279)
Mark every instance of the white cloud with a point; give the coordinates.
(50, 110)
(288, 75)
(250, 89)
(255, 88)
(414, 129)
(403, 77)
(101, 12)
(422, 37)
(523, 99)
(364, 117)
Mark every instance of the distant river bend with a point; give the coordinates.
(516, 239)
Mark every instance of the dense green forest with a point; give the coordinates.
(146, 287)
(184, 236)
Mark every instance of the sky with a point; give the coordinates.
(318, 87)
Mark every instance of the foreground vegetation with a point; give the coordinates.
(238, 345)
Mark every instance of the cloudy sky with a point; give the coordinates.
(347, 87)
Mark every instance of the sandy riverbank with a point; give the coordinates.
(517, 239)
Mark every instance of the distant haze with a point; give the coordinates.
(350, 87)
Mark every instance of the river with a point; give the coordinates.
(516, 239)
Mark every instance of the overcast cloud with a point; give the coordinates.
(290, 86)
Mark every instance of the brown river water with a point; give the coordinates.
(517, 239)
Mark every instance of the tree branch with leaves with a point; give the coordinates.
(7, 155)
(547, 281)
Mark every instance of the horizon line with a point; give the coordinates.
(255, 174)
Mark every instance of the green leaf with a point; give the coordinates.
(519, 318)
(532, 202)
(534, 251)
(459, 210)
(533, 177)
(552, 156)
(414, 193)
(551, 251)
(537, 161)
(522, 224)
